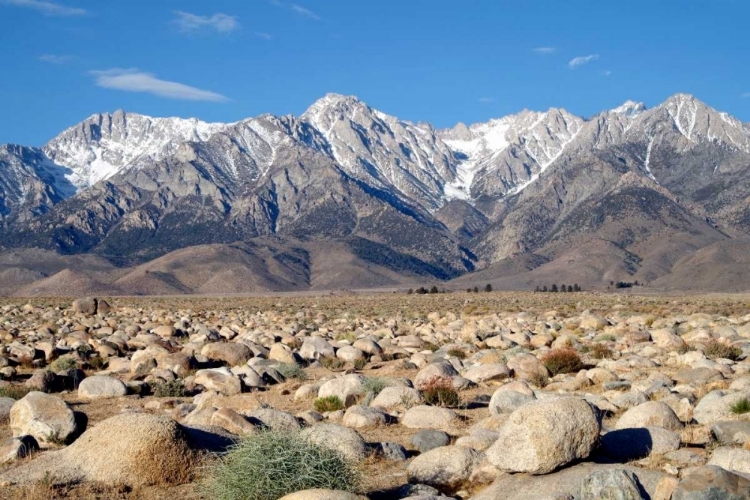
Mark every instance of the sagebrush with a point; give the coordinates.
(272, 464)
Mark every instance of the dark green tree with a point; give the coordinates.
(488, 288)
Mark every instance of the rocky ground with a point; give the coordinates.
(469, 396)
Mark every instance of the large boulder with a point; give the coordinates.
(436, 371)
(650, 414)
(508, 401)
(85, 306)
(316, 348)
(231, 353)
(345, 388)
(430, 417)
(101, 387)
(397, 397)
(611, 484)
(132, 449)
(346, 441)
(716, 406)
(45, 417)
(732, 459)
(712, 483)
(538, 438)
(219, 380)
(445, 468)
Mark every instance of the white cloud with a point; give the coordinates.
(544, 50)
(305, 12)
(55, 58)
(47, 8)
(607, 73)
(486, 100)
(133, 80)
(264, 36)
(746, 95)
(581, 60)
(223, 23)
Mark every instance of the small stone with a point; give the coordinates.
(430, 439)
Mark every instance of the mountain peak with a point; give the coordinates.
(630, 108)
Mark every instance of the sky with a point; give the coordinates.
(441, 61)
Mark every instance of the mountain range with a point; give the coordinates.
(346, 196)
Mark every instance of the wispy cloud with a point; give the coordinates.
(133, 80)
(544, 50)
(264, 36)
(55, 58)
(746, 95)
(47, 8)
(486, 100)
(607, 73)
(305, 12)
(189, 23)
(581, 60)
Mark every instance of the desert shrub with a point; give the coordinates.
(456, 353)
(439, 391)
(740, 407)
(170, 389)
(600, 351)
(333, 364)
(360, 364)
(328, 403)
(430, 346)
(715, 349)
(63, 363)
(96, 363)
(291, 370)
(14, 391)
(375, 385)
(539, 379)
(605, 337)
(565, 360)
(270, 465)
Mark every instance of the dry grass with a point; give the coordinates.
(565, 360)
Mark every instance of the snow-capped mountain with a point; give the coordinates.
(131, 187)
(103, 144)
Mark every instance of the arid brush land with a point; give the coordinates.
(464, 395)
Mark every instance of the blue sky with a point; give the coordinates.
(441, 61)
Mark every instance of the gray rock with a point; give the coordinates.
(445, 468)
(85, 306)
(101, 387)
(540, 437)
(731, 459)
(393, 451)
(731, 432)
(712, 483)
(5, 405)
(430, 417)
(16, 448)
(42, 380)
(274, 419)
(504, 401)
(47, 418)
(346, 441)
(649, 414)
(427, 440)
(611, 484)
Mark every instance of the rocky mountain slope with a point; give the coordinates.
(626, 194)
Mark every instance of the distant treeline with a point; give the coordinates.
(624, 284)
(434, 289)
(562, 288)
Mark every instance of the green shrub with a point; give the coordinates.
(270, 465)
(360, 364)
(715, 349)
(63, 363)
(96, 363)
(328, 403)
(333, 364)
(740, 407)
(456, 353)
(14, 391)
(375, 385)
(291, 370)
(171, 389)
(565, 360)
(538, 379)
(439, 391)
(600, 351)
